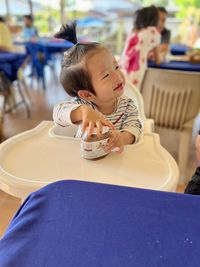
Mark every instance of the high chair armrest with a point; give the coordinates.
(149, 126)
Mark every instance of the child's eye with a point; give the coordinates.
(107, 75)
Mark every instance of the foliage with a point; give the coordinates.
(154, 2)
(46, 21)
(193, 5)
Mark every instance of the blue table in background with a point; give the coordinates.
(178, 49)
(10, 64)
(49, 47)
(42, 52)
(72, 223)
(176, 65)
(52, 47)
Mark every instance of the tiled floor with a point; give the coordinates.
(42, 104)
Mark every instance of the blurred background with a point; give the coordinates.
(105, 21)
(108, 22)
(30, 64)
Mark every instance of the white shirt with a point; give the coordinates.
(124, 118)
(134, 58)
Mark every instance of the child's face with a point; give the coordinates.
(27, 22)
(107, 79)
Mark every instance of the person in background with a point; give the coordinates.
(165, 33)
(144, 38)
(30, 32)
(193, 186)
(5, 37)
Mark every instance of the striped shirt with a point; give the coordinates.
(124, 118)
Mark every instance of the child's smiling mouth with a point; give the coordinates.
(119, 87)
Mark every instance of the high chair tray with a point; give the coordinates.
(43, 155)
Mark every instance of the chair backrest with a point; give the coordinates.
(171, 98)
(132, 92)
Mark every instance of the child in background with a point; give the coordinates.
(143, 39)
(30, 32)
(91, 75)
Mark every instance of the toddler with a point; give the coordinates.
(91, 75)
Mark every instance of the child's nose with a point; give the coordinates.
(116, 77)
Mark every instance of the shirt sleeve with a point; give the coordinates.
(132, 122)
(62, 111)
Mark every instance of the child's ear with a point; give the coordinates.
(86, 95)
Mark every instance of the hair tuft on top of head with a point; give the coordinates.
(67, 32)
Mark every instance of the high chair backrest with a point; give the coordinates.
(172, 98)
(132, 92)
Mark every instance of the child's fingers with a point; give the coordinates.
(118, 150)
(108, 123)
(90, 128)
(111, 143)
(99, 128)
(84, 126)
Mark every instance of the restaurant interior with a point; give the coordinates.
(64, 199)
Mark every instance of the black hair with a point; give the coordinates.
(162, 9)
(2, 19)
(74, 75)
(147, 16)
(29, 17)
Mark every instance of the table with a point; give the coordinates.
(179, 49)
(48, 47)
(45, 45)
(42, 52)
(10, 63)
(53, 46)
(176, 65)
(46, 154)
(73, 223)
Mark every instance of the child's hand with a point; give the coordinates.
(93, 119)
(116, 142)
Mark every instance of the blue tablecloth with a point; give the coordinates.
(178, 49)
(10, 64)
(49, 47)
(55, 47)
(176, 65)
(42, 53)
(72, 223)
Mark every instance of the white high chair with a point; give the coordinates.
(49, 153)
(132, 92)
